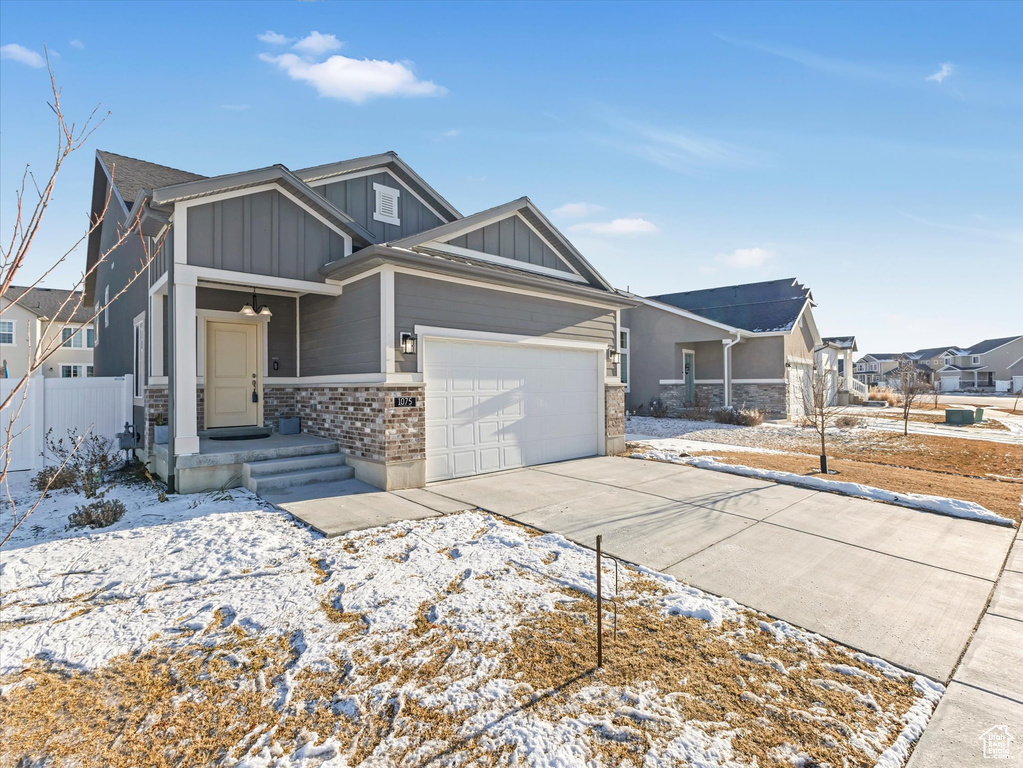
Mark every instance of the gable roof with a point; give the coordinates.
(932, 352)
(391, 162)
(842, 342)
(132, 175)
(57, 304)
(165, 197)
(767, 307)
(982, 347)
(523, 207)
(883, 357)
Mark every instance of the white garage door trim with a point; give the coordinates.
(426, 334)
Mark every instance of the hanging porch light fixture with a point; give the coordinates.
(249, 309)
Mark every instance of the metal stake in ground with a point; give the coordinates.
(600, 612)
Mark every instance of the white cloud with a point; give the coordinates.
(316, 44)
(745, 258)
(944, 71)
(274, 38)
(77, 44)
(577, 210)
(827, 64)
(356, 80)
(22, 55)
(633, 226)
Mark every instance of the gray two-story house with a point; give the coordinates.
(420, 343)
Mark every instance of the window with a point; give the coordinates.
(948, 361)
(72, 338)
(6, 331)
(387, 204)
(106, 306)
(72, 371)
(139, 357)
(90, 338)
(623, 360)
(89, 371)
(976, 359)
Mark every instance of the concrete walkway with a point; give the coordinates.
(986, 690)
(904, 585)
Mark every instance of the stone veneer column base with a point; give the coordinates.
(614, 419)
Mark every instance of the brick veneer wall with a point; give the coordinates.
(279, 400)
(364, 421)
(155, 404)
(769, 397)
(614, 410)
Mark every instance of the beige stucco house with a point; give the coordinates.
(55, 316)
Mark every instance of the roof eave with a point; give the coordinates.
(378, 255)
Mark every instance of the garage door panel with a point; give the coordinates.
(492, 406)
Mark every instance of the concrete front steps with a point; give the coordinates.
(323, 466)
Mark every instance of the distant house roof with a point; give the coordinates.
(132, 175)
(882, 357)
(57, 304)
(989, 344)
(772, 306)
(842, 342)
(927, 354)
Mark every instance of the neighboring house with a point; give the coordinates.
(428, 345)
(991, 365)
(846, 346)
(873, 369)
(751, 345)
(53, 316)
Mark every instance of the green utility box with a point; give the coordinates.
(960, 415)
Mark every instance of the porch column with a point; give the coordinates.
(186, 438)
(156, 334)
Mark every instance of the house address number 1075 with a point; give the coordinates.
(405, 402)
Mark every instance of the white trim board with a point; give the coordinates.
(504, 261)
(191, 273)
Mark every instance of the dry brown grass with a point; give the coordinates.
(999, 496)
(203, 698)
(885, 394)
(935, 418)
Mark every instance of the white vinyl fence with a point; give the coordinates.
(87, 405)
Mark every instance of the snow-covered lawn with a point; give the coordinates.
(211, 630)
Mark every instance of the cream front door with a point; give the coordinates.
(232, 374)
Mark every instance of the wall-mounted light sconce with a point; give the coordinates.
(613, 356)
(408, 343)
(249, 309)
(788, 365)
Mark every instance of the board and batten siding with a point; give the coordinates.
(263, 233)
(443, 304)
(341, 334)
(512, 238)
(357, 198)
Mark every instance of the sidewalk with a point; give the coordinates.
(986, 690)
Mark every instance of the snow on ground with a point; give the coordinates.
(939, 504)
(453, 640)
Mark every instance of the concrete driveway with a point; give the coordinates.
(905, 585)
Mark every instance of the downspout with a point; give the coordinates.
(728, 373)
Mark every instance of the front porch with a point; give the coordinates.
(233, 463)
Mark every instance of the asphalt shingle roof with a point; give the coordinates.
(47, 302)
(845, 342)
(988, 344)
(131, 175)
(756, 307)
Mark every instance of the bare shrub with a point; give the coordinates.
(743, 417)
(658, 409)
(97, 514)
(53, 479)
(87, 460)
(848, 422)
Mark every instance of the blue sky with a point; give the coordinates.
(871, 150)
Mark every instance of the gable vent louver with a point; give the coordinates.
(386, 204)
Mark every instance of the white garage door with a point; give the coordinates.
(498, 406)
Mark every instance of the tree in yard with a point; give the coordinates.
(911, 388)
(28, 217)
(820, 404)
